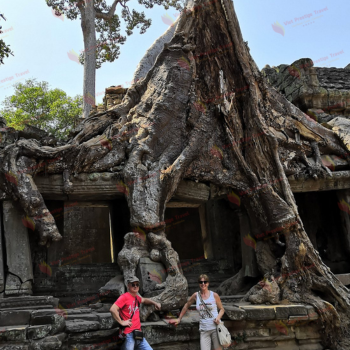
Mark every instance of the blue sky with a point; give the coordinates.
(41, 41)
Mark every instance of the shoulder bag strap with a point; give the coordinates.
(205, 305)
(132, 315)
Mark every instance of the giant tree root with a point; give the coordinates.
(203, 93)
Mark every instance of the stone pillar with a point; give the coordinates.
(2, 275)
(248, 243)
(344, 206)
(18, 257)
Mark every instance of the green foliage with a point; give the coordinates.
(109, 39)
(4, 49)
(33, 103)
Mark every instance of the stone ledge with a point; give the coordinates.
(13, 333)
(78, 326)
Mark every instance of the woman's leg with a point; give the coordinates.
(215, 340)
(205, 340)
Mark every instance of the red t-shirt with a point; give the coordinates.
(126, 304)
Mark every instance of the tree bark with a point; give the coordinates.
(89, 34)
(203, 112)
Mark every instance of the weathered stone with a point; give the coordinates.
(49, 343)
(93, 337)
(2, 257)
(77, 326)
(311, 311)
(316, 346)
(234, 313)
(58, 324)
(41, 320)
(114, 288)
(259, 314)
(283, 312)
(78, 311)
(48, 317)
(31, 132)
(306, 332)
(344, 278)
(150, 274)
(115, 90)
(153, 317)
(14, 347)
(13, 333)
(85, 317)
(13, 318)
(103, 309)
(18, 253)
(38, 332)
(286, 345)
(158, 332)
(28, 302)
(107, 321)
(177, 346)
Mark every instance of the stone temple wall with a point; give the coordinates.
(292, 327)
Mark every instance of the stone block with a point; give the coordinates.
(311, 311)
(259, 314)
(41, 320)
(38, 332)
(114, 288)
(13, 333)
(28, 302)
(281, 328)
(287, 345)
(294, 319)
(316, 346)
(93, 337)
(86, 317)
(18, 253)
(77, 326)
(178, 346)
(283, 312)
(234, 313)
(14, 347)
(107, 321)
(101, 309)
(254, 332)
(261, 345)
(307, 332)
(48, 317)
(344, 278)
(150, 274)
(14, 317)
(58, 324)
(49, 343)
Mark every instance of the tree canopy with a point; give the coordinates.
(101, 27)
(34, 103)
(5, 50)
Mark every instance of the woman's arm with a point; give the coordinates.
(191, 301)
(220, 307)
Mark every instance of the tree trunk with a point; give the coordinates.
(204, 112)
(89, 34)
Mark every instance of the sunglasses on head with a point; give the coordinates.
(135, 285)
(201, 282)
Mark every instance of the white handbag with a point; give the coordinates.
(223, 333)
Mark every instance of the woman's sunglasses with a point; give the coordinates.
(201, 282)
(135, 285)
